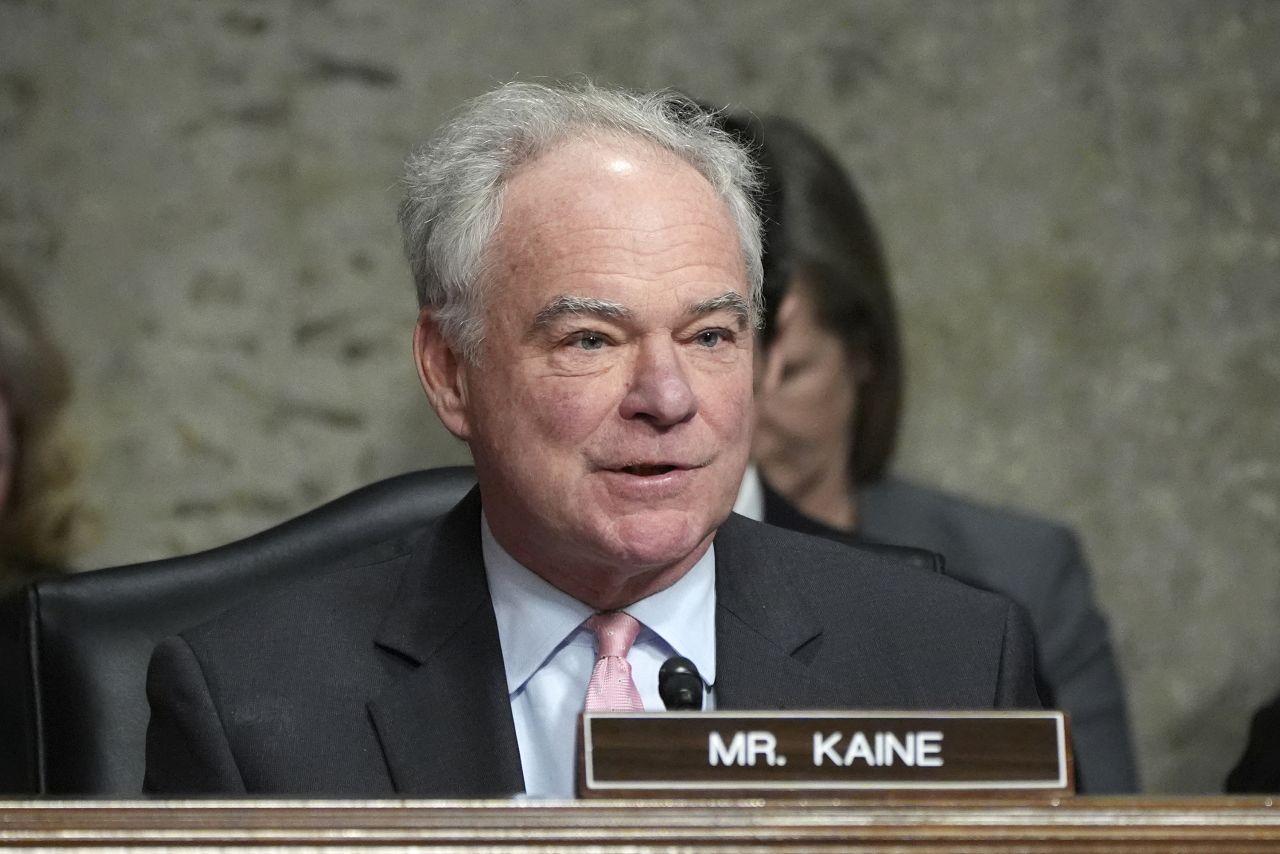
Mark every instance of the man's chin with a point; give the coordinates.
(658, 540)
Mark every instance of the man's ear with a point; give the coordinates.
(443, 375)
(774, 357)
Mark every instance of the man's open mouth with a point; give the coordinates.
(647, 470)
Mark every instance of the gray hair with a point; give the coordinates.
(454, 183)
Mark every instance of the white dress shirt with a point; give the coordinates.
(548, 655)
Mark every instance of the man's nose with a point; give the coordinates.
(659, 391)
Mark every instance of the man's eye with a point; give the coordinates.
(711, 337)
(588, 341)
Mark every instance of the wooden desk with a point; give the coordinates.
(1245, 824)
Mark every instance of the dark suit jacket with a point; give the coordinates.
(1035, 563)
(386, 677)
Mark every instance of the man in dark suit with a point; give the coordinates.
(588, 265)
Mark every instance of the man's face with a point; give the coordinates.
(609, 413)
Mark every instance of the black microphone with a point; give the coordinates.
(680, 685)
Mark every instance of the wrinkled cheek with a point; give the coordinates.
(570, 412)
(560, 413)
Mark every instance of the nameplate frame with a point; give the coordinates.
(863, 754)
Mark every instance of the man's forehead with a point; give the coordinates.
(594, 219)
(603, 178)
(615, 153)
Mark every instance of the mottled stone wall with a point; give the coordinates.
(1080, 201)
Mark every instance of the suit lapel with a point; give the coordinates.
(445, 726)
(767, 632)
(762, 626)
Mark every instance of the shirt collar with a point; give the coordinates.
(536, 618)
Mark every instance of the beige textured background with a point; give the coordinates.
(1080, 201)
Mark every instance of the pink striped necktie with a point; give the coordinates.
(611, 688)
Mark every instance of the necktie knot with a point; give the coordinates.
(611, 688)
(615, 632)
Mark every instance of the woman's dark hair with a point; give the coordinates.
(816, 229)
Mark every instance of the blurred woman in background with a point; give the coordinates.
(40, 521)
(829, 392)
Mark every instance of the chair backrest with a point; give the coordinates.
(74, 649)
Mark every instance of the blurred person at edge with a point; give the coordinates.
(828, 400)
(40, 520)
(1258, 771)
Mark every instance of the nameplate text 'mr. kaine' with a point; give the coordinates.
(817, 753)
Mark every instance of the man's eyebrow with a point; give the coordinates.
(728, 301)
(570, 305)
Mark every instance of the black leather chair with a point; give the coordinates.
(74, 649)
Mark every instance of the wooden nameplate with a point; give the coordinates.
(873, 754)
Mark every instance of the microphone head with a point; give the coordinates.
(680, 685)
